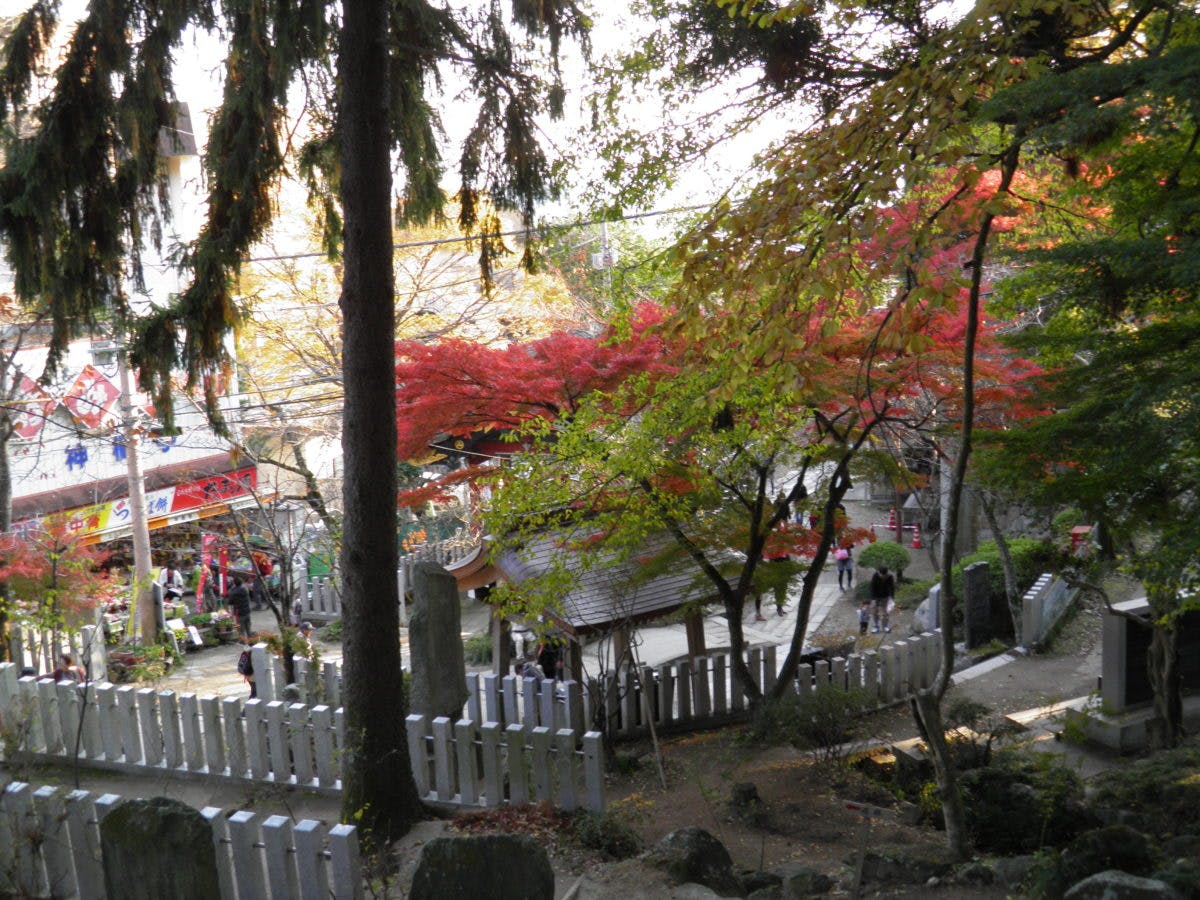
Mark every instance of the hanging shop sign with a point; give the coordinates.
(173, 505)
(32, 409)
(92, 398)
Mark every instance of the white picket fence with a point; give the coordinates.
(40, 649)
(148, 732)
(144, 731)
(695, 693)
(50, 847)
(1041, 608)
(322, 601)
(463, 764)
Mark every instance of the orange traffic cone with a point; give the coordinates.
(892, 518)
(916, 544)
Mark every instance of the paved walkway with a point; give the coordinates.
(214, 671)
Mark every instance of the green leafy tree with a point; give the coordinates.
(1114, 304)
(80, 196)
(790, 249)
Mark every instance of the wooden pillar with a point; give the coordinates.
(501, 644)
(621, 658)
(573, 661)
(694, 622)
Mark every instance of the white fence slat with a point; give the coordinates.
(870, 663)
(529, 700)
(443, 775)
(193, 740)
(214, 740)
(837, 672)
(9, 692)
(464, 751)
(256, 740)
(720, 673)
(565, 751)
(322, 724)
(221, 847)
(804, 680)
(333, 694)
(47, 693)
(702, 692)
(418, 755)
(106, 716)
(85, 845)
(492, 703)
(68, 715)
(50, 815)
(546, 705)
(172, 741)
(131, 734)
(147, 705)
(541, 763)
(629, 700)
(518, 786)
(92, 747)
(27, 873)
(684, 673)
(244, 835)
(302, 760)
(281, 764)
(666, 695)
(235, 735)
(754, 661)
(277, 848)
(310, 860)
(511, 712)
(593, 770)
(574, 708)
(474, 700)
(345, 863)
(769, 668)
(493, 786)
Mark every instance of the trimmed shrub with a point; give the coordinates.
(1114, 847)
(607, 833)
(885, 553)
(477, 649)
(822, 722)
(1162, 791)
(1018, 805)
(1030, 558)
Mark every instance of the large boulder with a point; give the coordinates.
(906, 864)
(496, 866)
(158, 848)
(693, 855)
(1116, 885)
(798, 880)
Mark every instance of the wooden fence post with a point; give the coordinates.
(493, 785)
(518, 786)
(418, 756)
(593, 770)
(344, 861)
(277, 848)
(565, 750)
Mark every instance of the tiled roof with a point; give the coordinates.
(608, 594)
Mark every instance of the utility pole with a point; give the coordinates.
(147, 615)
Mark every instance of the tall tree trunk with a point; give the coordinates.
(378, 788)
(1011, 595)
(926, 702)
(1162, 664)
(5, 524)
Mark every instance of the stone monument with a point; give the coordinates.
(977, 604)
(439, 681)
(158, 848)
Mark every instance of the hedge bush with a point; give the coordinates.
(1030, 558)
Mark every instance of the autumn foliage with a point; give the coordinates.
(51, 576)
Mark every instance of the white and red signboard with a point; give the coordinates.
(33, 407)
(92, 398)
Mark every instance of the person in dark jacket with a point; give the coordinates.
(237, 598)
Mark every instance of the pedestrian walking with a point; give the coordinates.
(238, 601)
(845, 567)
(864, 617)
(883, 589)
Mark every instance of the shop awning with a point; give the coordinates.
(179, 503)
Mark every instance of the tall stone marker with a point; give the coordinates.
(977, 604)
(158, 848)
(439, 672)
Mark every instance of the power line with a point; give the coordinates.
(409, 245)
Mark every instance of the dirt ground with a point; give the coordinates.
(804, 817)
